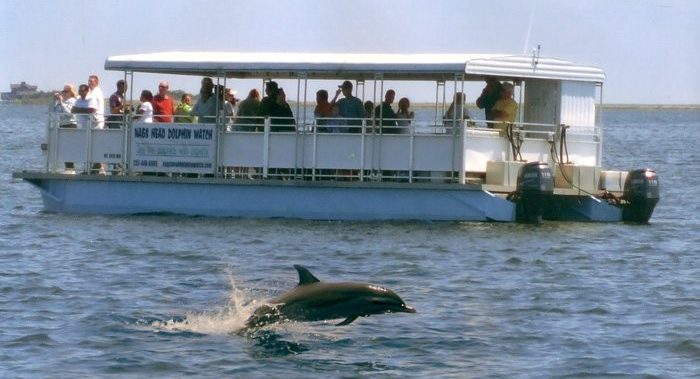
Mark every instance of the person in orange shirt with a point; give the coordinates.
(163, 106)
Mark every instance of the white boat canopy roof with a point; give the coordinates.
(355, 66)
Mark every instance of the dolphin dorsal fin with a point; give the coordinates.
(305, 277)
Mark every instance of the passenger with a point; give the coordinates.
(184, 109)
(248, 109)
(117, 106)
(205, 108)
(145, 112)
(488, 98)
(335, 124)
(405, 115)
(62, 107)
(384, 115)
(369, 107)
(350, 107)
(275, 106)
(285, 114)
(505, 108)
(163, 106)
(86, 108)
(456, 113)
(230, 106)
(323, 110)
(269, 102)
(96, 93)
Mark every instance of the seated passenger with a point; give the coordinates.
(250, 107)
(404, 115)
(369, 107)
(505, 108)
(184, 109)
(457, 112)
(384, 115)
(145, 112)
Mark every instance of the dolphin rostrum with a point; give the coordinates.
(313, 300)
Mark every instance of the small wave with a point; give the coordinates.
(687, 347)
(596, 311)
(514, 261)
(37, 339)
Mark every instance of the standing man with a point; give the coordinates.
(385, 115)
(350, 107)
(489, 96)
(116, 106)
(86, 108)
(205, 109)
(163, 107)
(96, 94)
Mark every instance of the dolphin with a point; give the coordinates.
(313, 300)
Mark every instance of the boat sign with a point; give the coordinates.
(176, 147)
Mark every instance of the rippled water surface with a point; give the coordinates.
(162, 296)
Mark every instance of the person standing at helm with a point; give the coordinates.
(505, 108)
(488, 98)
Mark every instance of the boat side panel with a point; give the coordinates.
(582, 208)
(271, 201)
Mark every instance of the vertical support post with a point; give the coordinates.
(126, 126)
(266, 147)
(598, 128)
(459, 79)
(220, 124)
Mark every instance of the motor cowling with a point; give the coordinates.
(535, 188)
(641, 194)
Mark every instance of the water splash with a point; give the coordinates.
(229, 318)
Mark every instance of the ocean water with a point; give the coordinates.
(162, 296)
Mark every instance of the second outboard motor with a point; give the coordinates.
(534, 191)
(641, 194)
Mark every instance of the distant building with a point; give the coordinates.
(18, 91)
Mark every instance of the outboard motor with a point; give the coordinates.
(641, 194)
(534, 191)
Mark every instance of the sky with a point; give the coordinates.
(649, 49)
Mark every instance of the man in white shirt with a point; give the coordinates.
(85, 108)
(98, 96)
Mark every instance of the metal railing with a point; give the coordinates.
(265, 148)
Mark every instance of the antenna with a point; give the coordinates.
(529, 29)
(536, 56)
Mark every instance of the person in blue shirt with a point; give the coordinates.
(350, 108)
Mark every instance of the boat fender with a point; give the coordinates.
(535, 188)
(640, 195)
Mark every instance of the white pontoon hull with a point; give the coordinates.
(293, 199)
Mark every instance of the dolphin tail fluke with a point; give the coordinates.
(348, 320)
